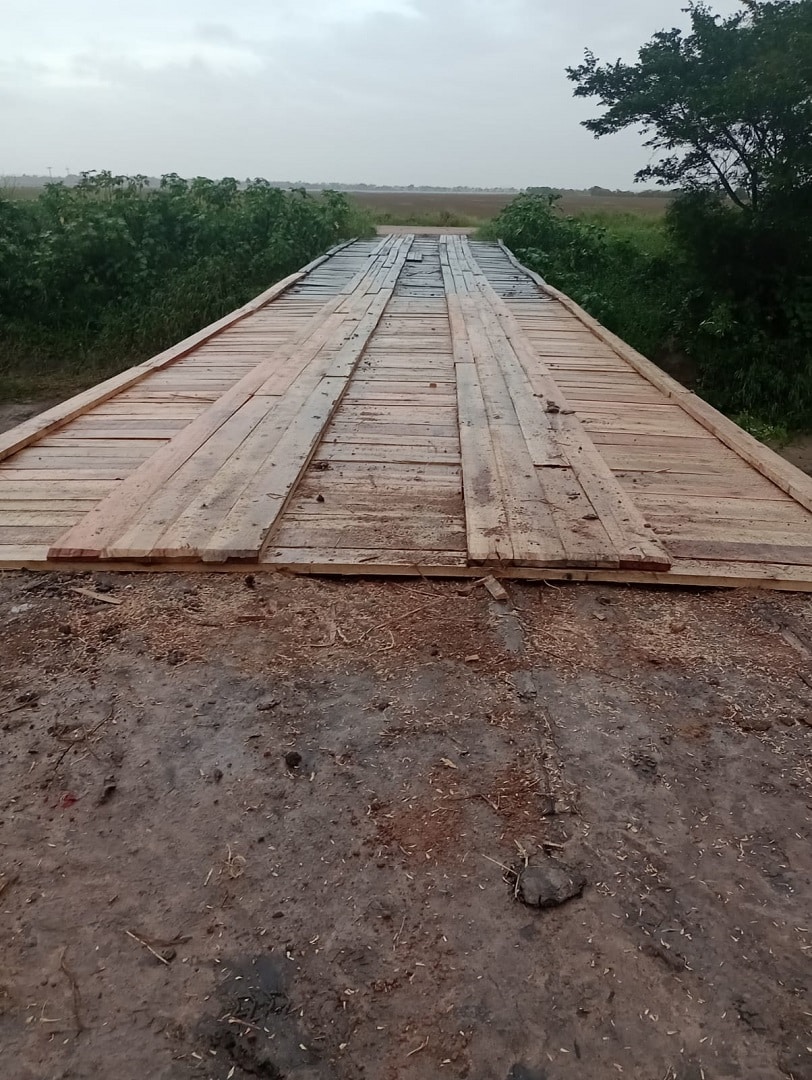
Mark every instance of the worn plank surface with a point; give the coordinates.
(408, 405)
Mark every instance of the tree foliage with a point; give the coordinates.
(727, 110)
(727, 106)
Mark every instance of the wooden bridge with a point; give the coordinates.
(410, 405)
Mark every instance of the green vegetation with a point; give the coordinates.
(729, 108)
(439, 219)
(474, 209)
(620, 268)
(101, 275)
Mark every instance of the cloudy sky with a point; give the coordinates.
(383, 91)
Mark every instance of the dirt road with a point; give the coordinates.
(273, 828)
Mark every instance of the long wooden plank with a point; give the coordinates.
(742, 551)
(358, 563)
(507, 520)
(26, 433)
(770, 513)
(251, 521)
(564, 438)
(485, 512)
(181, 517)
(568, 513)
(193, 529)
(112, 517)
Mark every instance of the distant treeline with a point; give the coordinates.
(26, 181)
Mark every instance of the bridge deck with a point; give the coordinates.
(402, 406)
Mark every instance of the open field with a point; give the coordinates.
(462, 208)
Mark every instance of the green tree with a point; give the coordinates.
(727, 109)
(728, 105)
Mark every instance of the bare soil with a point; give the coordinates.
(272, 828)
(799, 452)
(16, 412)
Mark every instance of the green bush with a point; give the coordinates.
(108, 272)
(747, 312)
(623, 274)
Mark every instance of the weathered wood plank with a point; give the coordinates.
(105, 524)
(247, 526)
(550, 421)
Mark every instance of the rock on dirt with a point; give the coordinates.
(549, 883)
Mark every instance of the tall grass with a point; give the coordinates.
(98, 276)
(443, 219)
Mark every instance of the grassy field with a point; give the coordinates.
(456, 209)
(459, 209)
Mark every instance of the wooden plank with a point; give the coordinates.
(18, 536)
(92, 472)
(424, 532)
(444, 444)
(685, 572)
(564, 439)
(18, 490)
(744, 551)
(738, 530)
(31, 430)
(373, 561)
(102, 528)
(396, 503)
(250, 522)
(27, 506)
(183, 495)
(532, 533)
(682, 481)
(584, 540)
(207, 485)
(771, 512)
(775, 468)
(374, 452)
(37, 518)
(485, 512)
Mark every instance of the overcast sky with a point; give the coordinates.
(382, 91)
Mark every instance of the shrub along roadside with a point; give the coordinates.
(96, 277)
(707, 284)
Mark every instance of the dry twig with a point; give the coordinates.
(417, 1049)
(147, 946)
(91, 594)
(153, 944)
(84, 737)
(76, 996)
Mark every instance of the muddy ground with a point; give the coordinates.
(273, 828)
